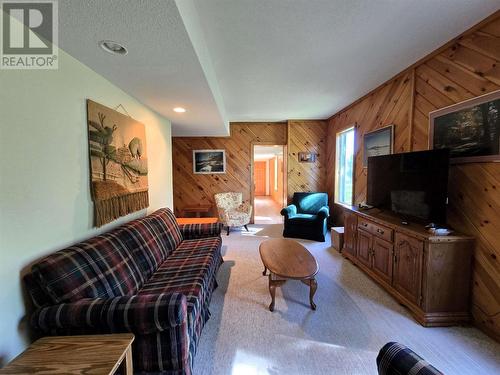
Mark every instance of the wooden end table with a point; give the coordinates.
(88, 354)
(288, 259)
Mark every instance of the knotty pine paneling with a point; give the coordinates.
(388, 105)
(191, 189)
(466, 67)
(306, 136)
(469, 67)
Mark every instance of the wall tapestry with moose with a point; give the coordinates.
(118, 163)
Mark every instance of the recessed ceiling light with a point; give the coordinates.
(179, 110)
(113, 47)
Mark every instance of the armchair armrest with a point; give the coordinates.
(289, 211)
(138, 314)
(223, 215)
(195, 231)
(323, 213)
(246, 208)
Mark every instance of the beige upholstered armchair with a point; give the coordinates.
(232, 211)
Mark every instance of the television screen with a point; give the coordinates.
(413, 185)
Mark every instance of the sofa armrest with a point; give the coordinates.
(289, 211)
(323, 213)
(195, 231)
(395, 358)
(138, 314)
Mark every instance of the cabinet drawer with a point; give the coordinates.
(376, 229)
(364, 224)
(382, 232)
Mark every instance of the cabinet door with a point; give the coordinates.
(382, 259)
(364, 247)
(350, 228)
(408, 259)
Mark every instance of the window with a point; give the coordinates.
(344, 167)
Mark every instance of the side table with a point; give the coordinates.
(87, 354)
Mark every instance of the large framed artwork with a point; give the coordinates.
(470, 129)
(209, 161)
(118, 163)
(378, 142)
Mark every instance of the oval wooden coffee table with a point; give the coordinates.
(288, 259)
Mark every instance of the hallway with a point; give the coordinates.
(267, 211)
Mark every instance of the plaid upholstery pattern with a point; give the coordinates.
(101, 267)
(190, 270)
(195, 231)
(142, 278)
(113, 264)
(38, 296)
(397, 359)
(153, 239)
(138, 314)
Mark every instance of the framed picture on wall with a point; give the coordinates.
(378, 142)
(307, 157)
(470, 129)
(209, 161)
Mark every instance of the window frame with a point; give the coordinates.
(337, 162)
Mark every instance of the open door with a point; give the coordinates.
(268, 182)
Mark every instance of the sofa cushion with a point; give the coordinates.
(188, 270)
(113, 264)
(153, 239)
(103, 266)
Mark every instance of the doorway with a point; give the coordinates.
(268, 183)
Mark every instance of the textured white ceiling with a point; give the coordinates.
(257, 60)
(162, 69)
(279, 59)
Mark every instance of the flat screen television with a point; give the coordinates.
(413, 185)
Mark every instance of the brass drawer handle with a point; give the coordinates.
(364, 224)
(380, 231)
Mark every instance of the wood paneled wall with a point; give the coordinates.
(306, 136)
(466, 67)
(195, 189)
(390, 104)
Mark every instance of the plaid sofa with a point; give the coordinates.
(397, 359)
(150, 277)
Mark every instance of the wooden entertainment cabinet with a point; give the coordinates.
(430, 275)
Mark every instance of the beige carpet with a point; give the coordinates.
(353, 320)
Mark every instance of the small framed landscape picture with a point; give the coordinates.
(307, 157)
(209, 161)
(378, 142)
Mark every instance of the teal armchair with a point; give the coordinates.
(306, 217)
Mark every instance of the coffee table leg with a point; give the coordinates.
(272, 291)
(313, 285)
(265, 271)
(273, 283)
